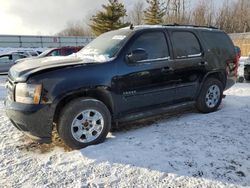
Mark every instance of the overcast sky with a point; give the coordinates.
(45, 17)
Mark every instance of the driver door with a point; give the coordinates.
(148, 82)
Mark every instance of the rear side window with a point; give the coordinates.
(154, 43)
(185, 44)
(219, 43)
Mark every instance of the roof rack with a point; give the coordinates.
(187, 25)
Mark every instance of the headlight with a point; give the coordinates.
(28, 93)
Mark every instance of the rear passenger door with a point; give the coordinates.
(189, 65)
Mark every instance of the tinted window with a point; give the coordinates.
(154, 43)
(185, 44)
(219, 43)
(69, 51)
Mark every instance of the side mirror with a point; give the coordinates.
(137, 55)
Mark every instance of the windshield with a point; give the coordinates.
(45, 53)
(105, 47)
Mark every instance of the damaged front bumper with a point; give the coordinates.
(34, 120)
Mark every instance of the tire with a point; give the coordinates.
(247, 78)
(84, 122)
(241, 79)
(210, 96)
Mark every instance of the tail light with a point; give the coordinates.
(237, 61)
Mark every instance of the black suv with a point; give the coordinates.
(120, 76)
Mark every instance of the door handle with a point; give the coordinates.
(202, 63)
(166, 69)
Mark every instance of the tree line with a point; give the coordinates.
(232, 17)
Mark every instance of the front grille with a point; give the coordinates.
(10, 86)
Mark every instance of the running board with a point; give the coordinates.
(154, 112)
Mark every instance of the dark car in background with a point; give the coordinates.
(122, 75)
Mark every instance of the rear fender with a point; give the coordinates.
(218, 74)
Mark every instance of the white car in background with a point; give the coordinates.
(28, 53)
(9, 59)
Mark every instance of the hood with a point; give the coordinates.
(21, 71)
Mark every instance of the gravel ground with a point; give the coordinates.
(183, 149)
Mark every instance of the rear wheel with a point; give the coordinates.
(210, 96)
(84, 122)
(247, 78)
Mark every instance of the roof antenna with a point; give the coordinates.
(131, 26)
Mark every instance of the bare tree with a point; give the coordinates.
(136, 14)
(199, 14)
(75, 29)
(241, 12)
(203, 13)
(234, 16)
(176, 11)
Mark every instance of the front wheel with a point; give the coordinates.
(210, 96)
(84, 122)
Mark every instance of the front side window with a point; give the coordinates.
(154, 43)
(185, 44)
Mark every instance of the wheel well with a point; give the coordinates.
(98, 94)
(220, 76)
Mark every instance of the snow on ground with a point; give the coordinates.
(183, 149)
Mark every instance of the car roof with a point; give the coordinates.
(173, 26)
